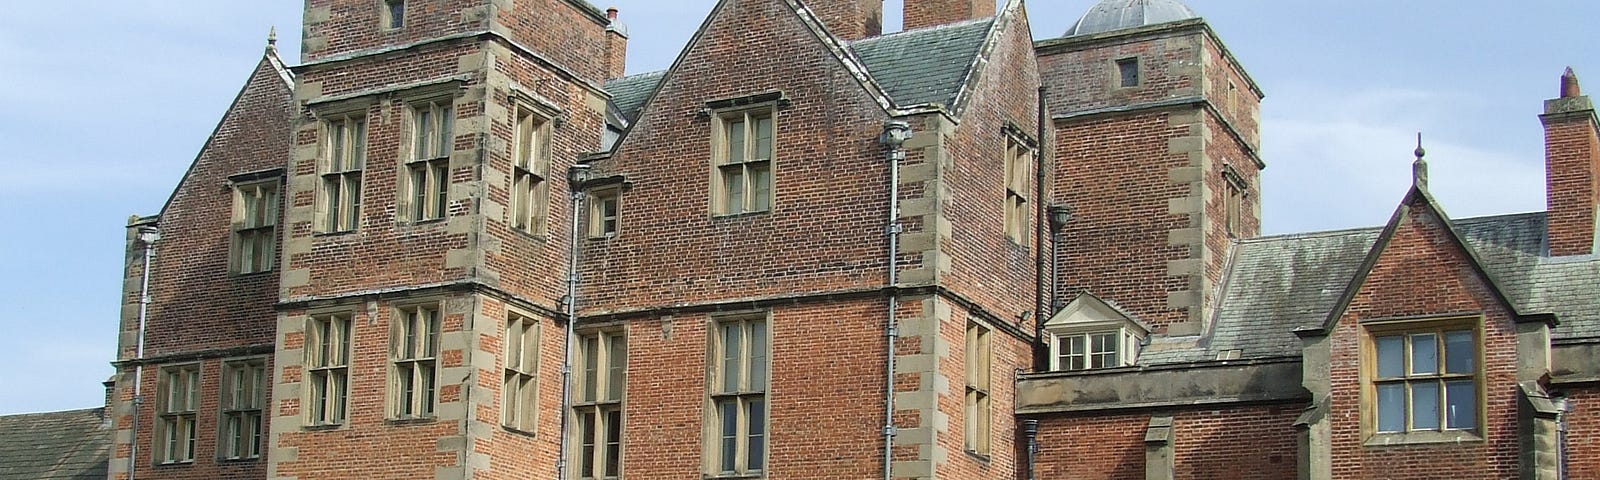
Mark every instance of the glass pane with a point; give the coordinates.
(426, 401)
(732, 337)
(763, 139)
(441, 189)
(1074, 345)
(442, 146)
(760, 186)
(407, 378)
(613, 443)
(1391, 357)
(1461, 405)
(359, 151)
(758, 356)
(733, 189)
(1425, 405)
(1392, 407)
(730, 433)
(617, 361)
(756, 449)
(591, 357)
(338, 397)
(336, 148)
(586, 437)
(1459, 353)
(736, 142)
(424, 132)
(1424, 354)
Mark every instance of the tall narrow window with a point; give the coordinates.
(602, 376)
(743, 179)
(394, 14)
(521, 390)
(341, 174)
(978, 359)
(1424, 378)
(413, 350)
(739, 397)
(327, 354)
(1128, 72)
(428, 170)
(255, 220)
(179, 397)
(1017, 168)
(1233, 205)
(243, 396)
(530, 188)
(603, 212)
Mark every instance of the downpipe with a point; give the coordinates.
(895, 134)
(148, 235)
(576, 175)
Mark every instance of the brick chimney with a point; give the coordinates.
(1572, 170)
(849, 19)
(616, 45)
(930, 13)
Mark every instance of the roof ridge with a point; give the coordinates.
(1373, 228)
(933, 28)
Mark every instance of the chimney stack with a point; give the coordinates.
(932, 13)
(849, 19)
(616, 46)
(1572, 170)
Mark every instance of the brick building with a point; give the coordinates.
(456, 241)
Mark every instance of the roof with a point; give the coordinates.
(75, 444)
(1282, 283)
(925, 66)
(629, 93)
(1109, 15)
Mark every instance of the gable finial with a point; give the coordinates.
(272, 38)
(1419, 168)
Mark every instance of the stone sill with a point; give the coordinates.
(1380, 440)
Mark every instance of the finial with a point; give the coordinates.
(272, 38)
(1569, 84)
(1419, 168)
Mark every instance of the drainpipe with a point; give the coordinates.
(895, 134)
(1030, 431)
(1040, 350)
(576, 175)
(148, 235)
(1060, 214)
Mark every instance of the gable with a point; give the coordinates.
(252, 135)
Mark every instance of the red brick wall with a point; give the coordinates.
(518, 454)
(1240, 105)
(1583, 432)
(1572, 165)
(1088, 79)
(197, 306)
(849, 19)
(1113, 173)
(208, 430)
(1422, 273)
(571, 37)
(929, 13)
(1010, 355)
(1245, 442)
(336, 27)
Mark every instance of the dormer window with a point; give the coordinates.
(1091, 333)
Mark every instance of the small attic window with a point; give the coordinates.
(394, 14)
(1090, 333)
(1128, 72)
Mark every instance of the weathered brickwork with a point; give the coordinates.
(1422, 273)
(1254, 442)
(1583, 432)
(1083, 76)
(941, 12)
(1572, 158)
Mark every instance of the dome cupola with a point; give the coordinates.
(1109, 15)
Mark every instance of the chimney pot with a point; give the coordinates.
(611, 13)
(1569, 85)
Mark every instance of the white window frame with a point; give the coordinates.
(242, 398)
(520, 390)
(255, 226)
(605, 212)
(327, 363)
(742, 175)
(1372, 379)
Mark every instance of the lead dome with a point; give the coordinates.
(1109, 15)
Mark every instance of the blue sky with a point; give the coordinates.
(106, 107)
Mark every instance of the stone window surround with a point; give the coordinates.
(1370, 329)
(323, 411)
(389, 19)
(530, 178)
(414, 357)
(520, 389)
(1119, 79)
(1235, 202)
(977, 411)
(602, 404)
(340, 211)
(262, 234)
(598, 198)
(433, 166)
(721, 111)
(176, 426)
(1020, 152)
(258, 404)
(714, 379)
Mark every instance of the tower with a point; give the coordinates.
(1157, 154)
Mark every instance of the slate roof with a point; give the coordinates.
(629, 93)
(925, 66)
(1280, 283)
(70, 445)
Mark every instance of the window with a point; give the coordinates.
(243, 395)
(327, 361)
(341, 174)
(179, 396)
(603, 213)
(1091, 333)
(413, 348)
(1234, 204)
(742, 182)
(530, 189)
(520, 402)
(1423, 377)
(428, 170)
(977, 356)
(602, 376)
(1091, 350)
(1128, 72)
(255, 218)
(1017, 168)
(394, 14)
(739, 397)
